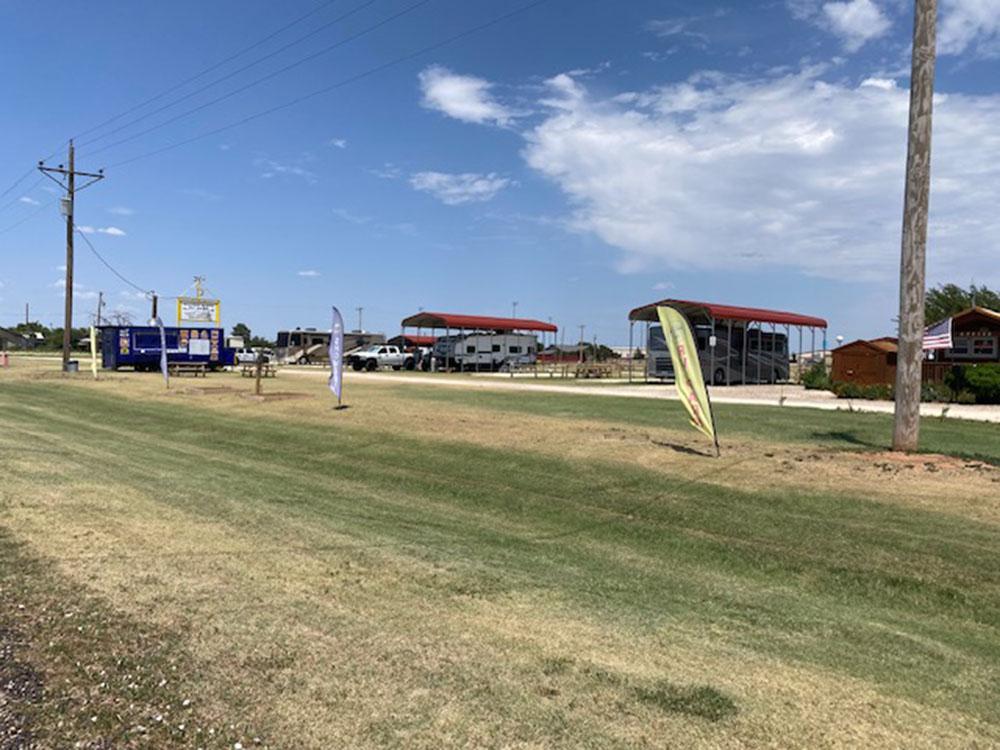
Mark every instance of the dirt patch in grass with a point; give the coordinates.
(703, 701)
(266, 398)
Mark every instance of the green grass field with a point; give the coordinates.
(435, 568)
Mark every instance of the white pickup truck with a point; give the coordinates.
(381, 355)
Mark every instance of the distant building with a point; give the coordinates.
(975, 337)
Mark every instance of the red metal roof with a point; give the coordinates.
(475, 322)
(727, 312)
(420, 340)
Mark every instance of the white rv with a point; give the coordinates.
(485, 351)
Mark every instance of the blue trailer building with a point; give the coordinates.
(138, 347)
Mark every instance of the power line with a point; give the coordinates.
(17, 200)
(208, 70)
(236, 72)
(339, 84)
(107, 264)
(18, 181)
(34, 213)
(269, 76)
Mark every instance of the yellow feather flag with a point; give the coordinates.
(687, 371)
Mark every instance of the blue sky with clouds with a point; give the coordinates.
(580, 157)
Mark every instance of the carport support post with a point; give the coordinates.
(812, 344)
(788, 344)
(743, 373)
(729, 348)
(711, 350)
(774, 342)
(631, 325)
(800, 352)
(645, 370)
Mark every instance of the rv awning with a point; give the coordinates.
(475, 322)
(726, 312)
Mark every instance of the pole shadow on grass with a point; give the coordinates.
(843, 436)
(682, 449)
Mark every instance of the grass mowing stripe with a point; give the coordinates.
(844, 430)
(804, 575)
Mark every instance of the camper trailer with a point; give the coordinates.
(305, 346)
(485, 351)
(764, 359)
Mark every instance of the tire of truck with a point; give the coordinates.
(409, 364)
(371, 365)
(358, 365)
(303, 360)
(719, 378)
(397, 367)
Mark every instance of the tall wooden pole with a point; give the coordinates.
(68, 317)
(906, 427)
(68, 209)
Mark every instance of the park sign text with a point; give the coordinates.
(197, 310)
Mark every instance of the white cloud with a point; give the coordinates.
(969, 23)
(271, 168)
(121, 211)
(309, 274)
(465, 98)
(886, 84)
(785, 171)
(387, 171)
(856, 22)
(455, 189)
(111, 231)
(663, 286)
(29, 201)
(351, 217)
(79, 291)
(338, 142)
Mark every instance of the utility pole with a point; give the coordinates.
(513, 310)
(26, 318)
(581, 343)
(909, 360)
(100, 304)
(67, 209)
(360, 327)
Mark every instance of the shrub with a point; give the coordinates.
(877, 392)
(816, 378)
(984, 382)
(935, 392)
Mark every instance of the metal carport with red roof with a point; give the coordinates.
(745, 318)
(462, 323)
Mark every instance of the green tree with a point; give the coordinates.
(947, 299)
(261, 342)
(242, 329)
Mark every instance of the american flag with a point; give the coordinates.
(938, 336)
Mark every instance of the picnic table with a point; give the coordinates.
(594, 370)
(196, 369)
(249, 370)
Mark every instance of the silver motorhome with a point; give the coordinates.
(485, 351)
(305, 346)
(764, 359)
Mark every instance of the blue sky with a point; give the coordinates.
(582, 157)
